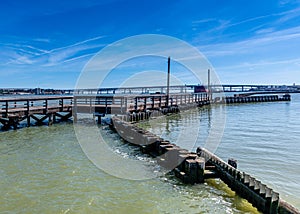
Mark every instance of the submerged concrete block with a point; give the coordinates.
(191, 170)
(200, 169)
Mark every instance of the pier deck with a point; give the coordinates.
(43, 109)
(33, 108)
(48, 108)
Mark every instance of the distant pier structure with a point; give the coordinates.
(48, 109)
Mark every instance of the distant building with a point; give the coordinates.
(37, 91)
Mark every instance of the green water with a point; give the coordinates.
(44, 170)
(263, 137)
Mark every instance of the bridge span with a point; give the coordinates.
(155, 89)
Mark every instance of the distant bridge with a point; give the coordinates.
(157, 89)
(190, 88)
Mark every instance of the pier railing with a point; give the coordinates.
(16, 109)
(40, 108)
(20, 106)
(48, 108)
(122, 104)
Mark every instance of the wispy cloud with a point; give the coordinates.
(266, 53)
(251, 44)
(16, 54)
(78, 58)
(66, 54)
(270, 22)
(250, 20)
(45, 40)
(261, 63)
(288, 15)
(76, 44)
(282, 17)
(201, 21)
(285, 2)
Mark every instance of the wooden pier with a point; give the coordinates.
(123, 104)
(36, 109)
(47, 109)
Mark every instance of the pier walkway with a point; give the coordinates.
(47, 109)
(38, 108)
(52, 108)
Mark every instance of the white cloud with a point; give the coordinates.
(278, 19)
(76, 44)
(265, 30)
(201, 21)
(27, 54)
(71, 52)
(253, 44)
(285, 2)
(261, 63)
(268, 54)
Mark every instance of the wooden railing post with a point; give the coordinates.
(6, 109)
(46, 106)
(61, 104)
(28, 112)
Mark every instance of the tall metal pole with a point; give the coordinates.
(168, 82)
(208, 84)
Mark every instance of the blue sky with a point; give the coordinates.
(47, 43)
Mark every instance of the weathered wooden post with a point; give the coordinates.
(74, 111)
(45, 111)
(27, 113)
(145, 103)
(135, 104)
(61, 103)
(6, 109)
(99, 118)
(50, 122)
(106, 104)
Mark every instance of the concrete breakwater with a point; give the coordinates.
(196, 167)
(258, 194)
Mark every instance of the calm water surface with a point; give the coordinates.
(43, 169)
(263, 137)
